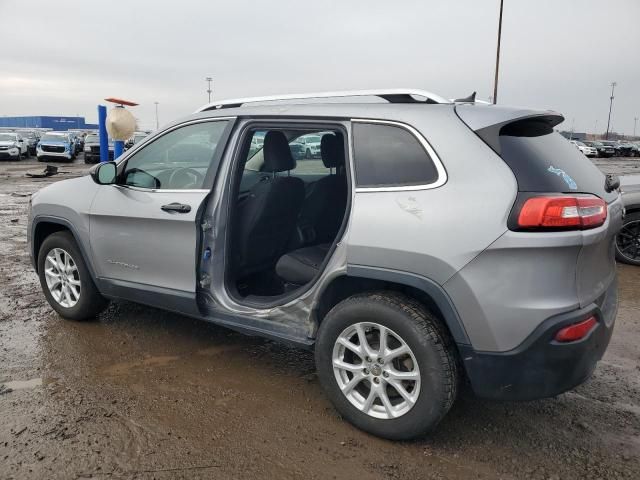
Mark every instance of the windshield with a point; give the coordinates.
(92, 139)
(53, 138)
(7, 137)
(137, 138)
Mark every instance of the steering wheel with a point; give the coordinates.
(185, 178)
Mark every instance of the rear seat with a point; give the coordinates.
(302, 265)
(323, 211)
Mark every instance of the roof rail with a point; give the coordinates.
(392, 95)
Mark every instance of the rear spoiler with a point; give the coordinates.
(488, 120)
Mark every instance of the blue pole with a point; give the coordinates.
(118, 148)
(104, 138)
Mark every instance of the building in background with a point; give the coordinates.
(54, 123)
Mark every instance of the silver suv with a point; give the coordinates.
(434, 242)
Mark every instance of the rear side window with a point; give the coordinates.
(386, 155)
(542, 160)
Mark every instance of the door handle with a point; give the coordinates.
(176, 207)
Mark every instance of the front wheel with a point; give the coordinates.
(65, 279)
(387, 365)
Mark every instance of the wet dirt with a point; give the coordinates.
(140, 393)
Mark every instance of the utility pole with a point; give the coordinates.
(613, 87)
(209, 80)
(495, 81)
(573, 121)
(157, 121)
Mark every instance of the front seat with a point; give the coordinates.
(267, 216)
(326, 202)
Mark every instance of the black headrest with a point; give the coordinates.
(277, 154)
(332, 150)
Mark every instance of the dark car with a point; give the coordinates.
(603, 150)
(92, 148)
(615, 145)
(626, 149)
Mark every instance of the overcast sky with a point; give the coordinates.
(62, 57)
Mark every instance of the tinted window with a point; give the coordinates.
(179, 159)
(390, 156)
(544, 161)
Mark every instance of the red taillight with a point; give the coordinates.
(563, 211)
(576, 331)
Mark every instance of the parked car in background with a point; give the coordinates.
(92, 148)
(628, 239)
(400, 301)
(298, 150)
(55, 146)
(604, 151)
(136, 138)
(311, 145)
(585, 149)
(75, 140)
(625, 149)
(31, 139)
(12, 146)
(614, 145)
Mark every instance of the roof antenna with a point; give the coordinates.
(470, 99)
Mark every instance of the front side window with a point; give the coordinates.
(179, 159)
(388, 155)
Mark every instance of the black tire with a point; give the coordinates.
(423, 333)
(90, 302)
(628, 240)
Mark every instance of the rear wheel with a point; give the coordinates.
(628, 240)
(387, 365)
(65, 279)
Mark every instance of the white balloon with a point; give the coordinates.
(120, 123)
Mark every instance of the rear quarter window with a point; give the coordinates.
(388, 155)
(542, 160)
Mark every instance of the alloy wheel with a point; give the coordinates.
(376, 370)
(628, 241)
(62, 277)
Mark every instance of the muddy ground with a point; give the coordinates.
(140, 393)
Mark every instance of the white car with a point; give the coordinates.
(585, 149)
(12, 146)
(311, 144)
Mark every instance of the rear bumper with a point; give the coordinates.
(541, 367)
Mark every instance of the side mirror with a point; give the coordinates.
(105, 173)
